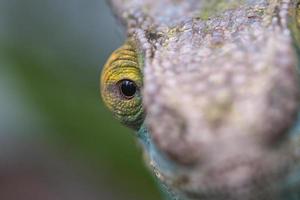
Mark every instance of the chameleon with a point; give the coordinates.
(211, 90)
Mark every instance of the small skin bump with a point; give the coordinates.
(218, 78)
(217, 110)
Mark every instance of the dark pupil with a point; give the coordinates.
(128, 88)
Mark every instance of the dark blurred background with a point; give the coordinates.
(57, 140)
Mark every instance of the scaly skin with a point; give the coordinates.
(221, 95)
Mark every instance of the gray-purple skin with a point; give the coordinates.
(221, 95)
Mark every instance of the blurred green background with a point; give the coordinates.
(57, 139)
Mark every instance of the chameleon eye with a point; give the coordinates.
(127, 88)
(121, 84)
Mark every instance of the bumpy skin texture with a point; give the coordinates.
(221, 94)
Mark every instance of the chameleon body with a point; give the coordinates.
(215, 95)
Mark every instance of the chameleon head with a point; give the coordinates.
(221, 97)
(221, 105)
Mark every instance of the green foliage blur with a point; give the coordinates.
(51, 54)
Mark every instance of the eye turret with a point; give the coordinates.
(121, 84)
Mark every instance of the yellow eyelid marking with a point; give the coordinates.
(124, 57)
(122, 70)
